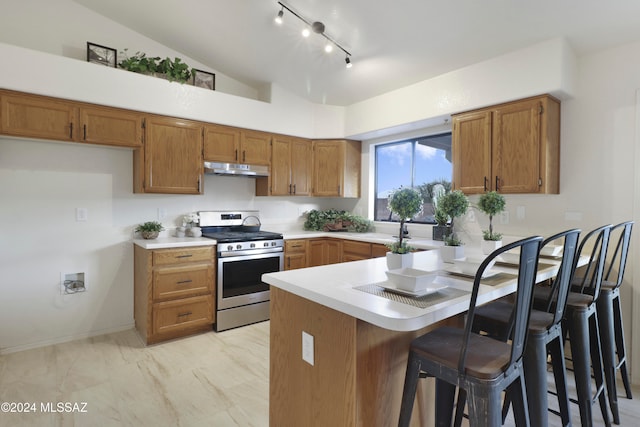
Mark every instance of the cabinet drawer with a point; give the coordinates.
(357, 248)
(378, 250)
(295, 245)
(182, 255)
(182, 314)
(181, 282)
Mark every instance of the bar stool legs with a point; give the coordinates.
(582, 325)
(605, 317)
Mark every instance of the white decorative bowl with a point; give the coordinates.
(411, 279)
(470, 266)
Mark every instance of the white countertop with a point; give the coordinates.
(333, 286)
(174, 242)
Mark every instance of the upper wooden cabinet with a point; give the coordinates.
(336, 168)
(221, 143)
(290, 168)
(112, 126)
(172, 157)
(511, 148)
(35, 116)
(227, 144)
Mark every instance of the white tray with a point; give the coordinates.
(391, 287)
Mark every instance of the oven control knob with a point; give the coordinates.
(253, 245)
(238, 247)
(266, 244)
(273, 243)
(230, 247)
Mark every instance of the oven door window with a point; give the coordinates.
(244, 276)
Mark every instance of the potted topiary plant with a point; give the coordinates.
(491, 203)
(405, 203)
(454, 204)
(149, 229)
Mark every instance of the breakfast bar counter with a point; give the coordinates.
(360, 339)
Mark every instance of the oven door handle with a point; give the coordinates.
(249, 252)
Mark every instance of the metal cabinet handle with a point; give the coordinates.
(182, 282)
(184, 256)
(485, 183)
(497, 183)
(184, 314)
(294, 189)
(71, 130)
(84, 132)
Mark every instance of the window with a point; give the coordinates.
(420, 163)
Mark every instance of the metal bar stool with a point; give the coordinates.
(545, 337)
(581, 324)
(610, 318)
(482, 366)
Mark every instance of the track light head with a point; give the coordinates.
(318, 27)
(279, 17)
(347, 60)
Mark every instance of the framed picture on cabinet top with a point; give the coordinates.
(101, 55)
(204, 79)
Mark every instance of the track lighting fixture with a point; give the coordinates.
(318, 28)
(279, 17)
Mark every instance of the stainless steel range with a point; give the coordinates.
(244, 254)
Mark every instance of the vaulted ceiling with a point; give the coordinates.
(393, 43)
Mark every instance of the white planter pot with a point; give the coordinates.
(449, 253)
(489, 246)
(396, 261)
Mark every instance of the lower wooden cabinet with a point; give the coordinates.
(173, 291)
(324, 251)
(295, 254)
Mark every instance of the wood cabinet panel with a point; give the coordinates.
(180, 316)
(324, 251)
(336, 168)
(221, 144)
(291, 166)
(174, 256)
(255, 148)
(301, 167)
(295, 254)
(111, 126)
(173, 156)
(378, 250)
(511, 148)
(182, 281)
(34, 116)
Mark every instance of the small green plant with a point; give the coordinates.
(491, 203)
(452, 240)
(453, 204)
(149, 226)
(440, 216)
(406, 203)
(175, 70)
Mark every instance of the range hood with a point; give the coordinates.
(213, 168)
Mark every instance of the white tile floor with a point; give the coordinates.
(211, 379)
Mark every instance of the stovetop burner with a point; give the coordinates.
(230, 235)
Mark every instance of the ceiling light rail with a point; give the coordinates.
(318, 28)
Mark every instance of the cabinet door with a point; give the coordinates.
(255, 148)
(221, 144)
(109, 126)
(173, 156)
(516, 147)
(334, 251)
(317, 252)
(281, 167)
(471, 146)
(301, 166)
(294, 261)
(328, 156)
(378, 250)
(38, 117)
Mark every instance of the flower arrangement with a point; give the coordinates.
(190, 220)
(406, 203)
(491, 203)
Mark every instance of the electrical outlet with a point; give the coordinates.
(162, 214)
(504, 217)
(520, 213)
(307, 348)
(82, 214)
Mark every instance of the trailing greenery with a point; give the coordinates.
(491, 203)
(333, 219)
(175, 69)
(406, 203)
(453, 205)
(149, 226)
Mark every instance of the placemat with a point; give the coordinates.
(420, 302)
(498, 279)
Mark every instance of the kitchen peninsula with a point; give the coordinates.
(360, 340)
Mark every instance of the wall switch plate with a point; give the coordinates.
(82, 214)
(520, 213)
(307, 348)
(504, 217)
(162, 214)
